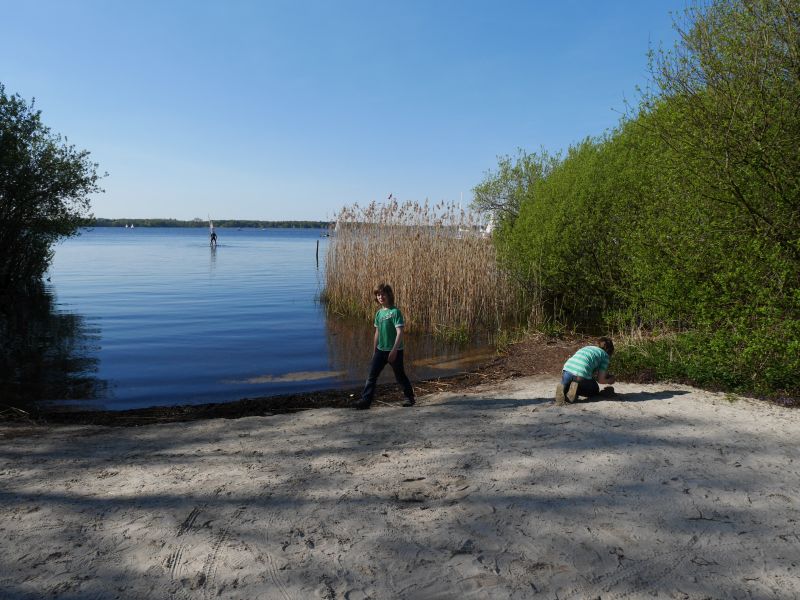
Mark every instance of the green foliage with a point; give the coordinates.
(552, 329)
(458, 335)
(562, 247)
(45, 185)
(501, 192)
(764, 361)
(505, 338)
(734, 90)
(685, 218)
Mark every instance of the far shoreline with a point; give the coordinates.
(201, 223)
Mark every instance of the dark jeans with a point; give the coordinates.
(586, 387)
(379, 360)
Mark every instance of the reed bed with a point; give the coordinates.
(444, 272)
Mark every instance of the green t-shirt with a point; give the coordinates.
(587, 360)
(387, 320)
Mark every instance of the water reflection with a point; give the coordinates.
(51, 355)
(46, 354)
(295, 376)
(461, 362)
(350, 351)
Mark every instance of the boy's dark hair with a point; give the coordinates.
(606, 344)
(386, 290)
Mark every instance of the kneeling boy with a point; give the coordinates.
(584, 371)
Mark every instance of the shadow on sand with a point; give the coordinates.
(508, 403)
(635, 396)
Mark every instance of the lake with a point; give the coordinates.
(155, 317)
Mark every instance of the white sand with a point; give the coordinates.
(496, 493)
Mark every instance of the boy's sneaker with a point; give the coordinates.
(572, 392)
(409, 402)
(608, 392)
(561, 399)
(361, 404)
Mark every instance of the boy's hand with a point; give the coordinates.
(605, 378)
(392, 355)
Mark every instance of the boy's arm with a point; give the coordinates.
(397, 340)
(375, 339)
(605, 378)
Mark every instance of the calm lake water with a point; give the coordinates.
(157, 317)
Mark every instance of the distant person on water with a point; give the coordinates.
(387, 348)
(213, 238)
(584, 371)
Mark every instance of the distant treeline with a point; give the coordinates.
(230, 223)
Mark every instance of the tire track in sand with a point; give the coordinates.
(175, 560)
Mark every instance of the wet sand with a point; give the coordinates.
(490, 492)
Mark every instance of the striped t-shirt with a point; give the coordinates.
(587, 360)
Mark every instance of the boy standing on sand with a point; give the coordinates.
(388, 347)
(578, 376)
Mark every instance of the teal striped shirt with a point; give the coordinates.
(587, 360)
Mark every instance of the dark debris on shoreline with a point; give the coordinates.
(535, 356)
(527, 358)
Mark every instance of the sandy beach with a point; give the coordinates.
(492, 492)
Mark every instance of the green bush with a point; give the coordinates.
(685, 219)
(763, 361)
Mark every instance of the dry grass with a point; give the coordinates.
(443, 271)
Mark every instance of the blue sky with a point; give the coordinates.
(292, 109)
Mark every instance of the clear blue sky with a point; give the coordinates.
(291, 109)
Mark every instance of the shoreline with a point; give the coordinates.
(537, 356)
(387, 395)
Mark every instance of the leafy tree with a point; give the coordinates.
(45, 185)
(733, 83)
(726, 113)
(546, 248)
(501, 192)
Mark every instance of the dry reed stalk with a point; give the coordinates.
(443, 271)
